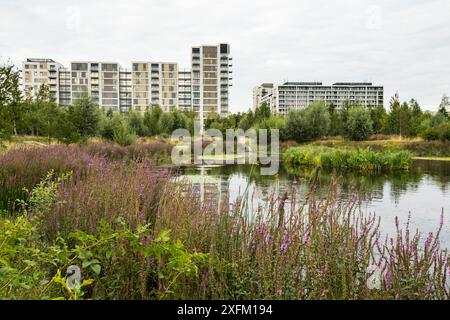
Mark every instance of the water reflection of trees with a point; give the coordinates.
(367, 186)
(372, 186)
(437, 171)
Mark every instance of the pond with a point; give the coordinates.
(423, 192)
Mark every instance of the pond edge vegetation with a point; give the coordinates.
(145, 236)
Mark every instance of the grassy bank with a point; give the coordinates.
(433, 158)
(344, 160)
(417, 147)
(137, 234)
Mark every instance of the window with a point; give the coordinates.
(80, 66)
(109, 67)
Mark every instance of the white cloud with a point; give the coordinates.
(403, 45)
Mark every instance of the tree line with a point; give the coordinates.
(42, 116)
(353, 121)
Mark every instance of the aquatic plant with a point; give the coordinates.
(359, 160)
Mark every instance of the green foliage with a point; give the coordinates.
(85, 117)
(31, 265)
(11, 107)
(66, 131)
(310, 123)
(125, 250)
(79, 121)
(106, 126)
(151, 119)
(378, 116)
(359, 160)
(404, 118)
(262, 112)
(246, 122)
(180, 120)
(123, 135)
(335, 120)
(444, 106)
(359, 124)
(49, 111)
(440, 132)
(136, 123)
(273, 122)
(297, 126)
(40, 115)
(166, 123)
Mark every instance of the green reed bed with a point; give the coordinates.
(358, 160)
(136, 233)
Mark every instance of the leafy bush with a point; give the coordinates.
(444, 132)
(115, 260)
(359, 124)
(441, 132)
(79, 121)
(122, 134)
(308, 124)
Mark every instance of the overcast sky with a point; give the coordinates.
(402, 45)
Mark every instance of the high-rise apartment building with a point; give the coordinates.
(185, 89)
(211, 79)
(36, 72)
(99, 80)
(145, 84)
(125, 90)
(260, 94)
(298, 95)
(65, 87)
(154, 83)
(168, 82)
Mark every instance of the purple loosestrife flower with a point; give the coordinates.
(388, 279)
(269, 239)
(262, 229)
(307, 238)
(429, 240)
(438, 247)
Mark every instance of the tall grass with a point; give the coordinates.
(25, 167)
(416, 146)
(359, 160)
(324, 249)
(285, 249)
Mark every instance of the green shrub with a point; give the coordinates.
(310, 123)
(116, 261)
(122, 133)
(441, 132)
(360, 160)
(444, 132)
(359, 124)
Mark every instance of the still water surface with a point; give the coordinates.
(424, 191)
